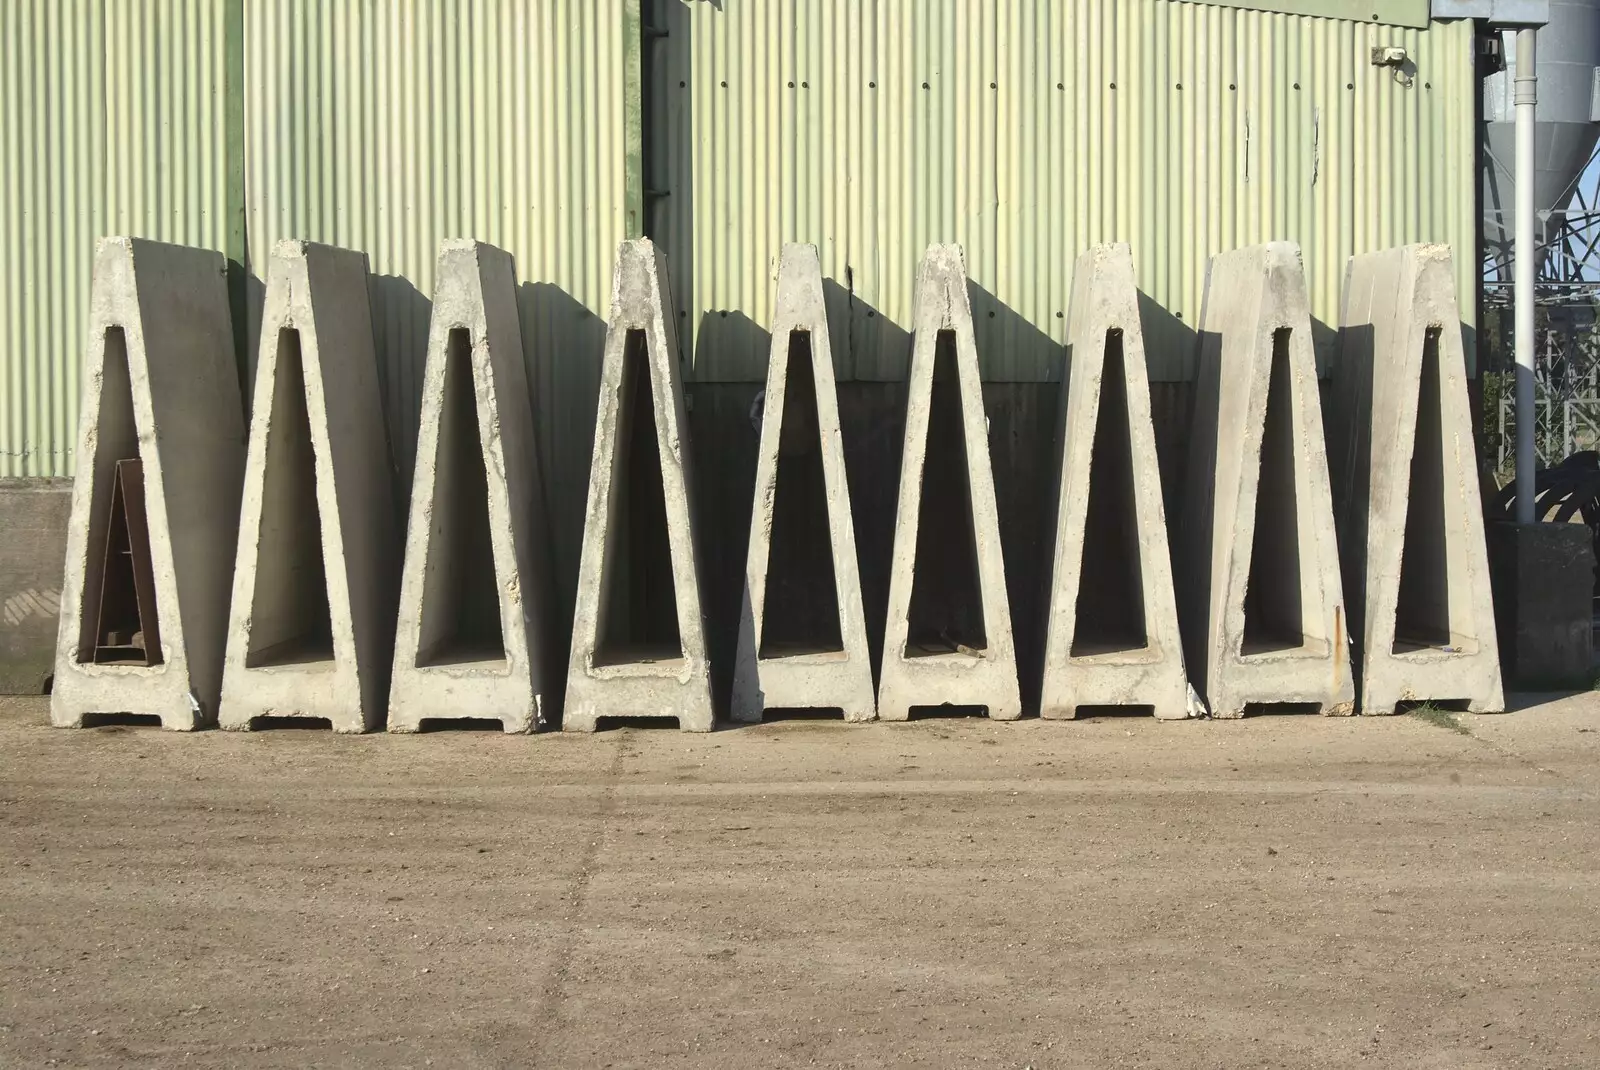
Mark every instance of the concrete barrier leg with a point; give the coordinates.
(802, 636)
(155, 505)
(1263, 607)
(638, 639)
(1415, 564)
(947, 634)
(1112, 633)
(473, 633)
(312, 630)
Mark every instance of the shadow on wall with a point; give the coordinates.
(563, 342)
(400, 320)
(1169, 342)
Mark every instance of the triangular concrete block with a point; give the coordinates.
(828, 666)
(473, 634)
(314, 586)
(1405, 473)
(1112, 635)
(638, 638)
(155, 504)
(1265, 620)
(947, 634)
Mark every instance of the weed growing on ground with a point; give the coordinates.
(1440, 718)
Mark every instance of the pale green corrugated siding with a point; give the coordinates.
(51, 72)
(1026, 131)
(388, 127)
(111, 121)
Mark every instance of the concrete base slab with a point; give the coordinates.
(1543, 578)
(473, 636)
(947, 634)
(1112, 634)
(33, 529)
(1264, 618)
(826, 667)
(1405, 474)
(144, 602)
(638, 649)
(312, 629)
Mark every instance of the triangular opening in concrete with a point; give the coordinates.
(1274, 618)
(801, 606)
(1110, 606)
(946, 610)
(119, 624)
(460, 620)
(290, 620)
(1422, 610)
(639, 609)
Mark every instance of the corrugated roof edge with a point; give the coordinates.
(1413, 13)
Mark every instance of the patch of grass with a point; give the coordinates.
(1440, 718)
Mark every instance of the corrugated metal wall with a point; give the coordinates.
(1026, 131)
(112, 120)
(52, 72)
(386, 126)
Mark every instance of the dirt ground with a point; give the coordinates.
(1276, 892)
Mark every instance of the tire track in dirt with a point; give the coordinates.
(545, 1021)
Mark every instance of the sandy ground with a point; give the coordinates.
(1277, 892)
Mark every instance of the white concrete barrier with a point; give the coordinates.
(473, 639)
(1405, 470)
(816, 671)
(639, 650)
(947, 635)
(315, 583)
(1263, 606)
(1112, 634)
(155, 505)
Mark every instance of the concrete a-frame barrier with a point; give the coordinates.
(1111, 638)
(1263, 608)
(315, 582)
(947, 633)
(1405, 474)
(155, 505)
(473, 639)
(639, 650)
(829, 668)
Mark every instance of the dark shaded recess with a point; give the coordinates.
(931, 713)
(946, 612)
(290, 724)
(290, 618)
(1422, 615)
(460, 724)
(119, 624)
(639, 609)
(121, 720)
(1273, 615)
(461, 601)
(801, 607)
(802, 713)
(1282, 709)
(648, 723)
(1110, 606)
